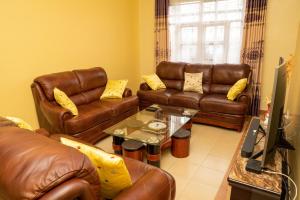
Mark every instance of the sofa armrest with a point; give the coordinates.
(127, 92)
(72, 189)
(55, 115)
(144, 86)
(246, 96)
(155, 184)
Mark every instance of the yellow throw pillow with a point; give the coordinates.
(154, 82)
(111, 169)
(193, 82)
(64, 101)
(114, 89)
(236, 89)
(20, 123)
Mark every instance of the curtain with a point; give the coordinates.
(161, 31)
(252, 52)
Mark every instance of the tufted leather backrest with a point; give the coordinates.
(81, 86)
(207, 74)
(32, 165)
(225, 75)
(172, 74)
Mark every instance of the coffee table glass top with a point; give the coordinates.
(152, 125)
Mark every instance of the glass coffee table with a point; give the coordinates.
(153, 126)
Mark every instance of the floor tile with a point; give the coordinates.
(208, 176)
(198, 191)
(216, 163)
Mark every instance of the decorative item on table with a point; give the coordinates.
(156, 127)
(267, 114)
(186, 112)
(153, 140)
(121, 131)
(159, 114)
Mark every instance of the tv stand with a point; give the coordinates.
(256, 186)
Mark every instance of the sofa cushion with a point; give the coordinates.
(120, 106)
(218, 103)
(89, 116)
(172, 74)
(91, 78)
(225, 75)
(156, 96)
(207, 74)
(65, 81)
(186, 99)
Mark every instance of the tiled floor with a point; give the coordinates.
(199, 175)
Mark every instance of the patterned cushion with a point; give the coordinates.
(193, 82)
(111, 169)
(236, 89)
(154, 82)
(20, 123)
(64, 101)
(114, 89)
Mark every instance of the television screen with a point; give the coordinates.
(276, 113)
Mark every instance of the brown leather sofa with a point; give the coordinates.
(213, 106)
(84, 87)
(34, 166)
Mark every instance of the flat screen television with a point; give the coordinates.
(275, 130)
(275, 122)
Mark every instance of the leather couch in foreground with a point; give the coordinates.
(34, 166)
(84, 87)
(213, 106)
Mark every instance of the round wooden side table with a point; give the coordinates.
(181, 143)
(133, 149)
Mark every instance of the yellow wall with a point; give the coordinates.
(293, 104)
(40, 37)
(146, 37)
(283, 17)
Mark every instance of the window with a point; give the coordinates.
(206, 31)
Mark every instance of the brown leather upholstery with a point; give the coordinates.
(186, 99)
(156, 96)
(219, 103)
(172, 74)
(33, 165)
(214, 108)
(84, 87)
(36, 167)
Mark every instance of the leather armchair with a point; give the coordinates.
(84, 87)
(50, 170)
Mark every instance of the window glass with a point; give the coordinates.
(206, 31)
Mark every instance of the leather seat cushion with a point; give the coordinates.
(120, 106)
(186, 99)
(156, 96)
(218, 103)
(89, 116)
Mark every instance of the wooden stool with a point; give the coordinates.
(133, 149)
(181, 143)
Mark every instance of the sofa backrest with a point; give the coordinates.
(172, 74)
(207, 73)
(32, 165)
(225, 75)
(82, 86)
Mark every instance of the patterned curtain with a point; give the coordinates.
(161, 31)
(252, 52)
